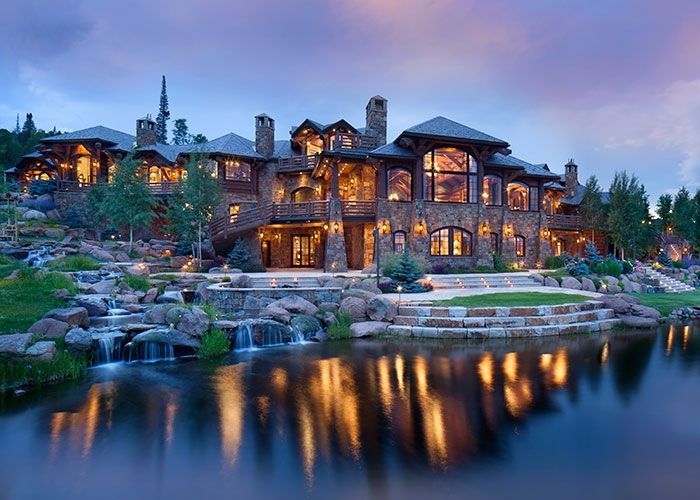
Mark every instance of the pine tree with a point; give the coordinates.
(696, 220)
(408, 271)
(683, 212)
(592, 206)
(17, 129)
(28, 129)
(593, 257)
(181, 133)
(239, 255)
(163, 115)
(664, 209)
(199, 139)
(128, 201)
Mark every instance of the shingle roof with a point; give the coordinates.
(168, 151)
(283, 148)
(444, 127)
(121, 140)
(230, 144)
(509, 161)
(577, 198)
(393, 150)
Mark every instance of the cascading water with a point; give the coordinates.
(114, 309)
(39, 257)
(244, 337)
(272, 337)
(149, 351)
(109, 350)
(297, 335)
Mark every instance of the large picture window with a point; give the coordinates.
(399, 184)
(493, 189)
(534, 199)
(518, 196)
(451, 241)
(519, 246)
(399, 242)
(448, 175)
(237, 171)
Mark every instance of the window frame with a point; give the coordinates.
(469, 175)
(500, 190)
(467, 249)
(404, 235)
(520, 238)
(524, 186)
(410, 183)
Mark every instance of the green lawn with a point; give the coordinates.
(513, 299)
(26, 299)
(667, 302)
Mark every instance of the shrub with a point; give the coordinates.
(137, 282)
(593, 257)
(627, 266)
(577, 267)
(610, 267)
(597, 283)
(677, 264)
(40, 186)
(214, 344)
(239, 255)
(74, 263)
(664, 259)
(74, 217)
(341, 328)
(254, 268)
(554, 262)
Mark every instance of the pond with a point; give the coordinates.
(606, 416)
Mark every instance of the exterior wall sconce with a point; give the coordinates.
(278, 236)
(485, 197)
(316, 235)
(545, 233)
(336, 227)
(385, 228)
(325, 227)
(485, 228)
(508, 230)
(420, 227)
(261, 235)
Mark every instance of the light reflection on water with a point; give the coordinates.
(401, 411)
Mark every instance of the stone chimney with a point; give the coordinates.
(376, 118)
(145, 132)
(264, 135)
(571, 178)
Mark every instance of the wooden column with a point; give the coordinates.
(335, 181)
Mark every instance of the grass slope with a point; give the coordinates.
(514, 299)
(667, 302)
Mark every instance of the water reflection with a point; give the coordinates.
(430, 405)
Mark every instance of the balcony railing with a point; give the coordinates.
(561, 221)
(296, 163)
(356, 209)
(345, 140)
(163, 187)
(308, 210)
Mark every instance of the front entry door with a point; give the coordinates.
(266, 253)
(303, 251)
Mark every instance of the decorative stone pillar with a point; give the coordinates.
(484, 257)
(545, 239)
(336, 259)
(508, 248)
(419, 238)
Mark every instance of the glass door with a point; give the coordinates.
(302, 251)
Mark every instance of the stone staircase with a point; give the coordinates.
(486, 280)
(667, 283)
(502, 322)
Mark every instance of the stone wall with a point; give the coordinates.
(231, 300)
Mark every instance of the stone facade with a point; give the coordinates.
(231, 300)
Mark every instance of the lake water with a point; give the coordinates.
(599, 416)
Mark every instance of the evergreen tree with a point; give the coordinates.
(128, 201)
(199, 139)
(664, 209)
(181, 133)
(17, 129)
(593, 257)
(28, 129)
(407, 272)
(163, 115)
(683, 212)
(592, 206)
(239, 255)
(628, 207)
(696, 221)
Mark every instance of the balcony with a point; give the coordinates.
(561, 221)
(297, 163)
(344, 140)
(304, 211)
(359, 209)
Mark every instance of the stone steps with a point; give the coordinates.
(447, 281)
(502, 322)
(669, 284)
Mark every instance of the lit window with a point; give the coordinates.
(492, 190)
(237, 171)
(399, 184)
(399, 241)
(518, 196)
(233, 210)
(448, 175)
(451, 241)
(519, 246)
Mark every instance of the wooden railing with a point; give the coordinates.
(561, 221)
(64, 185)
(345, 140)
(163, 187)
(157, 188)
(359, 208)
(308, 210)
(295, 163)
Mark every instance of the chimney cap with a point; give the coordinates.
(571, 163)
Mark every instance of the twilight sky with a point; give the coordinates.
(614, 84)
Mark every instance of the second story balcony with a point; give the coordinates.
(296, 163)
(562, 221)
(346, 140)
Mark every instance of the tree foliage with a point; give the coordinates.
(683, 214)
(664, 210)
(163, 115)
(628, 208)
(181, 133)
(18, 142)
(127, 200)
(592, 205)
(239, 256)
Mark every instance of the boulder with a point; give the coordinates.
(265, 331)
(127, 298)
(614, 289)
(150, 297)
(306, 326)
(78, 340)
(329, 318)
(355, 307)
(140, 270)
(135, 327)
(54, 232)
(42, 351)
(629, 298)
(241, 281)
(328, 306)
(74, 316)
(102, 255)
(645, 312)
(371, 269)
(295, 304)
(549, 281)
(611, 280)
(95, 306)
(252, 303)
(368, 285)
(33, 215)
(335, 283)
(538, 278)
(102, 287)
(49, 327)
(587, 284)
(175, 314)
(225, 324)
(368, 329)
(61, 293)
(381, 309)
(14, 344)
(194, 323)
(637, 321)
(276, 313)
(357, 293)
(201, 294)
(571, 283)
(121, 257)
(156, 315)
(170, 297)
(178, 338)
(616, 303)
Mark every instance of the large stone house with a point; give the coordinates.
(331, 195)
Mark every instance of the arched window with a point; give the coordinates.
(450, 173)
(399, 241)
(303, 194)
(451, 241)
(237, 171)
(519, 246)
(495, 243)
(399, 184)
(518, 196)
(492, 190)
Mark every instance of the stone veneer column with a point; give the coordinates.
(336, 258)
(484, 257)
(545, 246)
(508, 248)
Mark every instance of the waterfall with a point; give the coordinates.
(297, 335)
(244, 337)
(272, 336)
(149, 351)
(109, 350)
(39, 257)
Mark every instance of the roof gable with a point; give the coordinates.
(229, 144)
(120, 140)
(450, 129)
